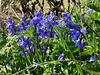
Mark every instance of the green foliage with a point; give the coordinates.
(47, 62)
(94, 4)
(93, 68)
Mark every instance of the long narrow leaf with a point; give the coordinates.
(65, 45)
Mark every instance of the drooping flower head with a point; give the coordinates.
(61, 56)
(89, 11)
(92, 59)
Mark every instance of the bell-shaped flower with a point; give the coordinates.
(22, 53)
(78, 44)
(61, 56)
(92, 59)
(83, 31)
(76, 35)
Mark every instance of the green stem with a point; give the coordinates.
(39, 55)
(94, 41)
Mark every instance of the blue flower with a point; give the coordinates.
(27, 48)
(39, 37)
(89, 11)
(62, 19)
(25, 17)
(83, 45)
(11, 27)
(51, 18)
(11, 34)
(26, 53)
(47, 24)
(78, 44)
(76, 35)
(22, 53)
(83, 31)
(64, 14)
(73, 26)
(9, 20)
(61, 56)
(9, 65)
(8, 58)
(85, 72)
(69, 16)
(9, 44)
(92, 59)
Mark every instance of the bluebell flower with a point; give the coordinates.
(62, 19)
(9, 20)
(9, 65)
(9, 44)
(52, 14)
(61, 26)
(11, 30)
(46, 37)
(23, 44)
(8, 58)
(69, 16)
(64, 14)
(51, 18)
(73, 26)
(73, 33)
(78, 44)
(85, 72)
(26, 53)
(61, 56)
(83, 45)
(89, 11)
(40, 31)
(22, 53)
(27, 48)
(11, 27)
(11, 34)
(76, 35)
(45, 47)
(25, 17)
(84, 31)
(92, 59)
(39, 37)
(47, 24)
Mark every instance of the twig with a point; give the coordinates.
(41, 64)
(31, 14)
(15, 12)
(85, 22)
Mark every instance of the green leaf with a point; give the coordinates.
(1, 38)
(97, 22)
(93, 68)
(66, 45)
(87, 52)
(54, 62)
(2, 43)
(16, 18)
(94, 4)
(25, 34)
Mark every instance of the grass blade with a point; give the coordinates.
(65, 45)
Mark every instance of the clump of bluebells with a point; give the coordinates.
(43, 31)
